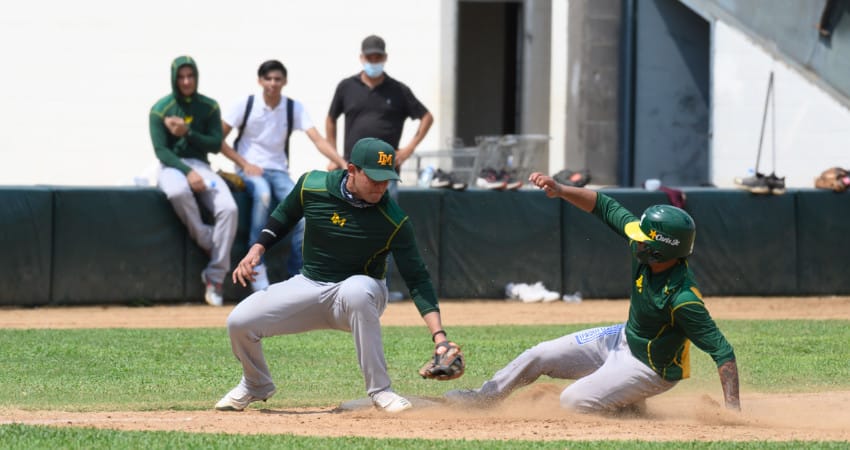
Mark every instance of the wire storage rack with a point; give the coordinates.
(519, 154)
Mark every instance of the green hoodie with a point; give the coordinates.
(201, 113)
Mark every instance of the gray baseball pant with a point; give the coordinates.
(216, 239)
(300, 304)
(608, 376)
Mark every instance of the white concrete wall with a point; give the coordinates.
(78, 78)
(812, 129)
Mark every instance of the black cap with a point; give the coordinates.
(373, 45)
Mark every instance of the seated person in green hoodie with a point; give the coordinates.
(184, 127)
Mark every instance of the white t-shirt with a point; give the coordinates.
(264, 136)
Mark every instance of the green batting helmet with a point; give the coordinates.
(668, 233)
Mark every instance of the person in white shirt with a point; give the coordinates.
(261, 153)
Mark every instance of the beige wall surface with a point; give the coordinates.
(812, 129)
(78, 78)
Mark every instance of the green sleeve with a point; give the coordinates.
(160, 138)
(613, 214)
(209, 136)
(291, 209)
(413, 270)
(691, 316)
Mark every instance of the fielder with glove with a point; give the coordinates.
(352, 226)
(447, 363)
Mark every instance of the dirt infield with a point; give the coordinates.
(531, 414)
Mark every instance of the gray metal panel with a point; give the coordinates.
(671, 95)
(788, 30)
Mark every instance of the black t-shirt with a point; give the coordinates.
(378, 112)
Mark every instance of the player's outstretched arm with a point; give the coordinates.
(728, 372)
(584, 199)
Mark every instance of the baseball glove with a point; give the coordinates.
(445, 365)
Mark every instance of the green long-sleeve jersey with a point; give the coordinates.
(202, 115)
(666, 311)
(341, 240)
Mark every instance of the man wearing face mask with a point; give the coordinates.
(376, 105)
(617, 367)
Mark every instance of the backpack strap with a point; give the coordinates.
(290, 107)
(244, 121)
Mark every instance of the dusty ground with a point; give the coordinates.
(531, 414)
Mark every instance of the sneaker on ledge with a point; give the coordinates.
(511, 182)
(490, 179)
(441, 180)
(457, 183)
(757, 184)
(776, 184)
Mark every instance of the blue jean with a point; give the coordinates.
(273, 184)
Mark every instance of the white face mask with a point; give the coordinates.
(373, 70)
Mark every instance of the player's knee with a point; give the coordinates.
(360, 292)
(265, 199)
(576, 403)
(240, 323)
(180, 195)
(227, 211)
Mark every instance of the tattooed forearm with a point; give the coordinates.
(728, 372)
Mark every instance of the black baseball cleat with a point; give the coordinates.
(776, 184)
(762, 184)
(441, 180)
(756, 184)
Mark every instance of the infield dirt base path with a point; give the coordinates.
(530, 414)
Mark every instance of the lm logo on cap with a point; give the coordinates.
(385, 159)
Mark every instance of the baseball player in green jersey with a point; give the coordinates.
(351, 226)
(618, 367)
(184, 127)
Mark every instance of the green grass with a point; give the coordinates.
(189, 369)
(43, 437)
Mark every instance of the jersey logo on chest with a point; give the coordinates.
(639, 284)
(337, 220)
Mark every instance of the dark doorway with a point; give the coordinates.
(489, 59)
(671, 96)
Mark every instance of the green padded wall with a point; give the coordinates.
(65, 245)
(489, 239)
(745, 243)
(115, 245)
(823, 220)
(596, 260)
(424, 207)
(26, 240)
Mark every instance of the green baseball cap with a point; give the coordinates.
(376, 158)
